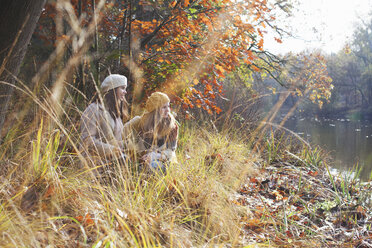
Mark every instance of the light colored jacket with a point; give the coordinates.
(100, 133)
(134, 141)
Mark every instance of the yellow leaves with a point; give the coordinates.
(347, 49)
(220, 71)
(320, 104)
(273, 90)
(313, 78)
(220, 68)
(186, 101)
(299, 92)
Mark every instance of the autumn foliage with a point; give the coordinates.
(183, 47)
(308, 76)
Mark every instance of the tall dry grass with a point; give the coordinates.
(49, 197)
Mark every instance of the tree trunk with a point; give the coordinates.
(96, 39)
(364, 102)
(18, 20)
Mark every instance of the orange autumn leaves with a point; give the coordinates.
(192, 41)
(184, 47)
(85, 220)
(206, 40)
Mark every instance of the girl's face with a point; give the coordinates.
(164, 110)
(120, 93)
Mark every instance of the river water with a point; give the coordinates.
(349, 142)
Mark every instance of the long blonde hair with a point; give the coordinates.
(153, 126)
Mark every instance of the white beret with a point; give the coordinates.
(113, 81)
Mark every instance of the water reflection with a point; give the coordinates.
(349, 142)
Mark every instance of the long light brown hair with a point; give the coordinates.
(111, 103)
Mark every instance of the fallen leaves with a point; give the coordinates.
(291, 213)
(257, 225)
(313, 173)
(86, 220)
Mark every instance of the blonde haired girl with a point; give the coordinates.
(153, 136)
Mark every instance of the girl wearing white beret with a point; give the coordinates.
(102, 121)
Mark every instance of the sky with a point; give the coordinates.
(325, 24)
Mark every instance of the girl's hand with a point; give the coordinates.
(151, 156)
(145, 158)
(117, 150)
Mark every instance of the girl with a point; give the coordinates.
(102, 121)
(153, 136)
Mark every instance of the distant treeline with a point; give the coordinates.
(351, 71)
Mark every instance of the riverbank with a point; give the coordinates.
(220, 193)
(348, 142)
(294, 205)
